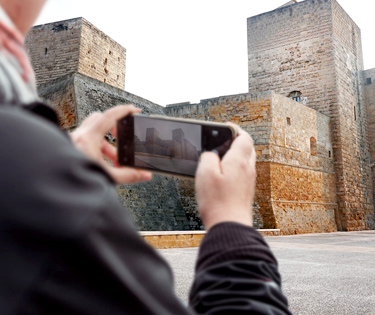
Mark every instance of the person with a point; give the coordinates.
(67, 246)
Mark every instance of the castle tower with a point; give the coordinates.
(75, 46)
(152, 136)
(179, 136)
(311, 51)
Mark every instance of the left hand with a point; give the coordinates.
(89, 139)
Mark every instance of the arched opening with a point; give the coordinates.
(295, 96)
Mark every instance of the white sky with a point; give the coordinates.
(178, 50)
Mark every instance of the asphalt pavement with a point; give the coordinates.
(329, 273)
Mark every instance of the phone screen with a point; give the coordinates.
(168, 146)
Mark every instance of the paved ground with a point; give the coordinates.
(330, 273)
(167, 164)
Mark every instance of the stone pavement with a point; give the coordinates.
(329, 273)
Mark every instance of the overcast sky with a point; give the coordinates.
(180, 51)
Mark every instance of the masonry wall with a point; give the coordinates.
(369, 88)
(290, 49)
(72, 46)
(302, 177)
(100, 57)
(253, 113)
(54, 49)
(155, 205)
(314, 47)
(349, 132)
(295, 189)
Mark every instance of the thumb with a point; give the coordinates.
(209, 165)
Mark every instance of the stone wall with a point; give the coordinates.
(54, 49)
(253, 113)
(71, 46)
(302, 179)
(295, 189)
(369, 87)
(290, 49)
(313, 162)
(156, 205)
(60, 94)
(100, 57)
(313, 47)
(349, 132)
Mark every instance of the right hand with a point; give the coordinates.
(225, 189)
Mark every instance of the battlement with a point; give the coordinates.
(75, 46)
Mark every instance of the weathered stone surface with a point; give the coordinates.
(314, 48)
(369, 87)
(294, 185)
(75, 45)
(155, 206)
(185, 239)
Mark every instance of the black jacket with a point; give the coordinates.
(68, 247)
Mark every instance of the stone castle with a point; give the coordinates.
(310, 110)
(178, 147)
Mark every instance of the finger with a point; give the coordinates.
(241, 147)
(253, 158)
(237, 159)
(110, 117)
(89, 120)
(110, 152)
(125, 175)
(114, 128)
(209, 165)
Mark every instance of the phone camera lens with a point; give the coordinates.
(215, 133)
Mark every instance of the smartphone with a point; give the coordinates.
(169, 145)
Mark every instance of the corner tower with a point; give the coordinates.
(75, 46)
(311, 51)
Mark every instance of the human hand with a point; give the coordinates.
(89, 139)
(225, 189)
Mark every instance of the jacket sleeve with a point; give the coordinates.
(67, 245)
(236, 273)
